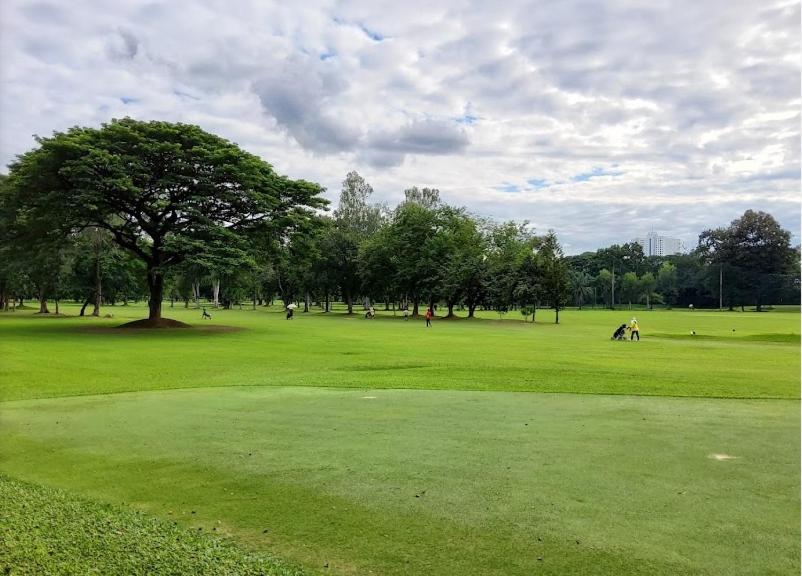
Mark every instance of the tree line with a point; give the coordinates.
(168, 212)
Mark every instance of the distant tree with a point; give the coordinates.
(556, 286)
(646, 285)
(426, 197)
(509, 245)
(355, 221)
(463, 246)
(530, 288)
(756, 246)
(164, 191)
(354, 212)
(377, 266)
(34, 247)
(581, 286)
(92, 259)
(325, 268)
(667, 283)
(629, 288)
(603, 283)
(416, 252)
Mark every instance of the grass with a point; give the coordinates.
(45, 531)
(46, 357)
(349, 446)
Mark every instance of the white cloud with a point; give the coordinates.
(600, 120)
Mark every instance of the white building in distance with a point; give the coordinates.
(654, 244)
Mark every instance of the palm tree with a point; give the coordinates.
(581, 285)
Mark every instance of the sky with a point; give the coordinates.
(600, 120)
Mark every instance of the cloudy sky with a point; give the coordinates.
(601, 120)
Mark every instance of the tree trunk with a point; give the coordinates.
(327, 301)
(471, 310)
(57, 307)
(186, 302)
(156, 288)
(254, 301)
(216, 292)
(83, 308)
(612, 291)
(415, 306)
(349, 301)
(556, 314)
(98, 284)
(43, 304)
(450, 310)
(306, 302)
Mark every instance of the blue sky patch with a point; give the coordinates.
(372, 34)
(509, 188)
(595, 171)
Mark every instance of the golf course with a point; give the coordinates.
(334, 444)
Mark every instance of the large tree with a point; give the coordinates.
(164, 191)
(463, 247)
(355, 221)
(509, 244)
(417, 252)
(556, 285)
(755, 246)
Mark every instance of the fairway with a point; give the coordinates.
(486, 446)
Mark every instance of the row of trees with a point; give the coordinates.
(750, 262)
(167, 211)
(426, 252)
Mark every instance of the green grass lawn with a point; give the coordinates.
(45, 357)
(347, 446)
(48, 531)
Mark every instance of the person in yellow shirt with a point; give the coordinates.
(634, 329)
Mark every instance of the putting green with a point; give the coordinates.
(437, 482)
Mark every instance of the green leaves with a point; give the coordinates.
(166, 192)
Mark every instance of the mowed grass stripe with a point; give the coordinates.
(438, 482)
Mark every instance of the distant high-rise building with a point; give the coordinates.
(654, 244)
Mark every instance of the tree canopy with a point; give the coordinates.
(165, 192)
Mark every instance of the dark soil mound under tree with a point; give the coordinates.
(147, 323)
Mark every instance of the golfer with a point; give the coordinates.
(428, 317)
(634, 329)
